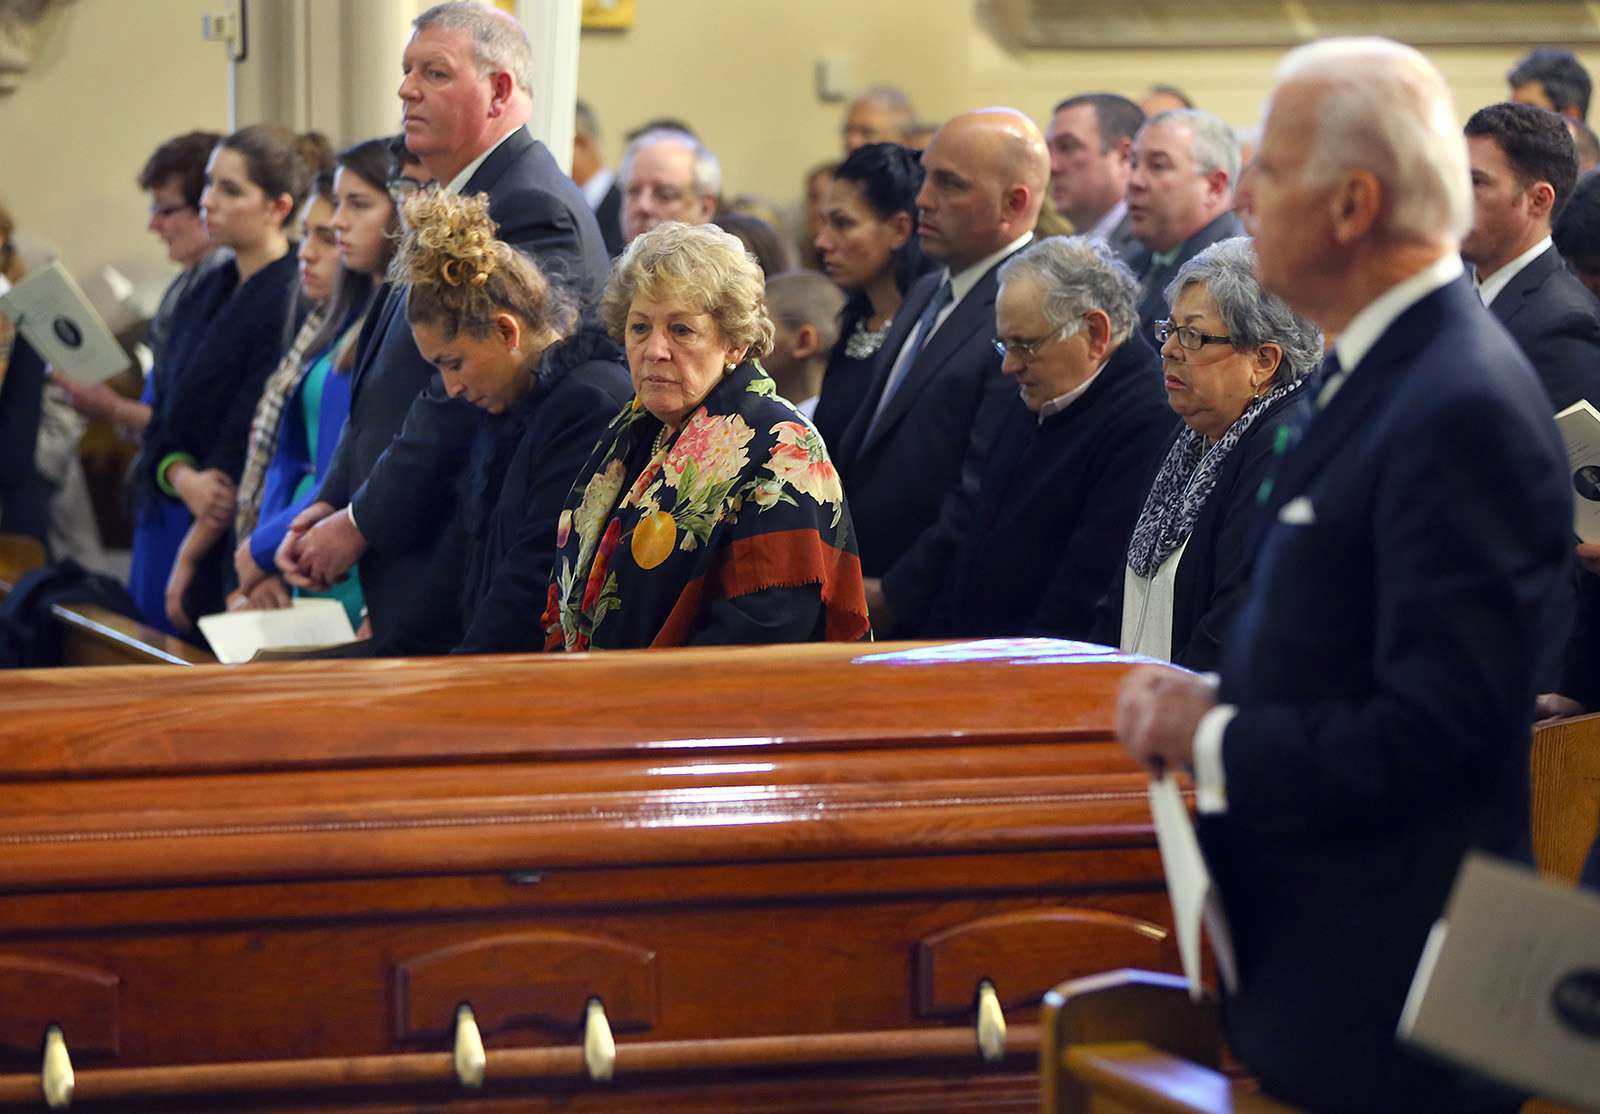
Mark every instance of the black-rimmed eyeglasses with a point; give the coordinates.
(1188, 336)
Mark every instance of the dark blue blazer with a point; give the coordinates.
(1383, 668)
(905, 478)
(1153, 280)
(1556, 322)
(1048, 524)
(400, 461)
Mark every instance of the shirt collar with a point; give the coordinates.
(1107, 224)
(1373, 321)
(459, 182)
(1489, 288)
(965, 280)
(1061, 402)
(598, 185)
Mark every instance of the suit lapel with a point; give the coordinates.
(488, 173)
(1525, 285)
(905, 320)
(373, 334)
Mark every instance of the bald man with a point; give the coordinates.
(937, 392)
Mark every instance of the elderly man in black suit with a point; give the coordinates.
(1523, 170)
(1371, 724)
(1091, 159)
(391, 497)
(1180, 198)
(1048, 521)
(930, 412)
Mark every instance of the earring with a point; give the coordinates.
(729, 367)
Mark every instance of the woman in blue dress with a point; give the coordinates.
(226, 337)
(350, 238)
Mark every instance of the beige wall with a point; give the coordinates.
(112, 78)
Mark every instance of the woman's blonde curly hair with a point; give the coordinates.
(460, 276)
(699, 264)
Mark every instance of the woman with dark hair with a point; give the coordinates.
(305, 403)
(509, 342)
(868, 245)
(771, 251)
(226, 338)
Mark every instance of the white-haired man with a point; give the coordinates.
(667, 175)
(1371, 723)
(390, 497)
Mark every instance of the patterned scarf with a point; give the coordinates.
(1184, 484)
(263, 442)
(741, 499)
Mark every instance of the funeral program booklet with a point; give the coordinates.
(1509, 983)
(51, 311)
(237, 636)
(1194, 899)
(1580, 429)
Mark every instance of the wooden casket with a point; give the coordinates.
(800, 878)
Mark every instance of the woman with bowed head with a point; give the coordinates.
(1236, 360)
(349, 240)
(709, 512)
(506, 340)
(226, 338)
(867, 243)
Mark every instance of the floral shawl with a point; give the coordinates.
(741, 499)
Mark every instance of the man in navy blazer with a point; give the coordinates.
(391, 497)
(1371, 723)
(1524, 168)
(931, 409)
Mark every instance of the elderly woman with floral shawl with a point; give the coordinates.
(709, 512)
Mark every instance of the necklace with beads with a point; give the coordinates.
(660, 442)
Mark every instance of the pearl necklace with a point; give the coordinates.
(660, 443)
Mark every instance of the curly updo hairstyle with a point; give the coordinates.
(460, 276)
(699, 264)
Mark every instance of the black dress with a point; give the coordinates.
(845, 383)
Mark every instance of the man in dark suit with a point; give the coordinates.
(1180, 198)
(931, 408)
(1091, 158)
(597, 180)
(391, 497)
(1371, 723)
(1523, 171)
(1047, 523)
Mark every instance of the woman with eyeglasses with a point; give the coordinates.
(1235, 362)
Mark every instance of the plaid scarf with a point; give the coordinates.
(280, 388)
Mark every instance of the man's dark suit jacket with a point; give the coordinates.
(608, 214)
(24, 493)
(1153, 280)
(1126, 247)
(1048, 523)
(399, 463)
(1383, 670)
(1556, 322)
(902, 481)
(1214, 574)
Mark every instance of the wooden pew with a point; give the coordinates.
(818, 877)
(1133, 1040)
(93, 635)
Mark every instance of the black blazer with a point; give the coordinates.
(1049, 521)
(24, 493)
(608, 214)
(523, 466)
(1383, 668)
(1126, 247)
(1214, 574)
(899, 481)
(400, 461)
(1153, 280)
(1556, 322)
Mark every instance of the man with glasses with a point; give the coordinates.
(392, 494)
(1180, 198)
(667, 175)
(1048, 518)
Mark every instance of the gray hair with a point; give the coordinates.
(707, 170)
(1076, 274)
(1384, 108)
(1251, 315)
(498, 40)
(1212, 141)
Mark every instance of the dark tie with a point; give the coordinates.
(919, 337)
(1306, 407)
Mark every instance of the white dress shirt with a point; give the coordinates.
(1364, 330)
(1489, 288)
(598, 185)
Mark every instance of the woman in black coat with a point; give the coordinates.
(1236, 364)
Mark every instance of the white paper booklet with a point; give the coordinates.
(52, 313)
(236, 636)
(1194, 898)
(1509, 983)
(1580, 429)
